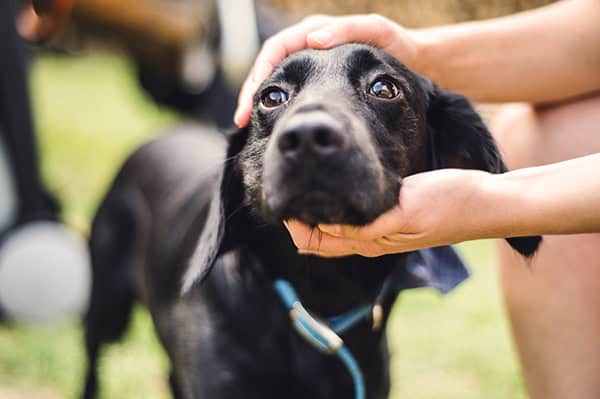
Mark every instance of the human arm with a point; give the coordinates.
(453, 205)
(547, 54)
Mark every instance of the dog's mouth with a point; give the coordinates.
(316, 207)
(319, 207)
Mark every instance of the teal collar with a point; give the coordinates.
(440, 268)
(324, 335)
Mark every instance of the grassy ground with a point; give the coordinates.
(90, 115)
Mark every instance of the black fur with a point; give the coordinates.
(463, 141)
(331, 153)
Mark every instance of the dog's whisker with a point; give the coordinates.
(233, 213)
(319, 239)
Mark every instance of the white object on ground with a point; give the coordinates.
(45, 273)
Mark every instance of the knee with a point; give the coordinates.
(515, 128)
(531, 136)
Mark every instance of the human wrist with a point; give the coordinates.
(427, 44)
(558, 198)
(509, 205)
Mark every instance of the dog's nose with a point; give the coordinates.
(312, 138)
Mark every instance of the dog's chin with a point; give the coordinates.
(318, 207)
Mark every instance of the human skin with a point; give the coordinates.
(522, 202)
(543, 55)
(553, 298)
(506, 59)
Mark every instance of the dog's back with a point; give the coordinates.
(157, 203)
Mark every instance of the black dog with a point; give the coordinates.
(331, 136)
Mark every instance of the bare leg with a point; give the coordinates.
(554, 301)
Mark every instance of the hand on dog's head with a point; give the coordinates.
(333, 133)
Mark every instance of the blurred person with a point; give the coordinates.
(212, 72)
(213, 65)
(44, 271)
(548, 60)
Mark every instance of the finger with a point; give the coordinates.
(274, 50)
(322, 254)
(325, 244)
(390, 223)
(242, 114)
(300, 233)
(399, 243)
(310, 241)
(372, 29)
(337, 248)
(284, 43)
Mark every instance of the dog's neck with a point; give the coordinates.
(326, 286)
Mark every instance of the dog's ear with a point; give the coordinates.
(236, 141)
(227, 195)
(459, 139)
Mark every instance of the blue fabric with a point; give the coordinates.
(440, 268)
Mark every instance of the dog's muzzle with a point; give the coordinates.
(311, 137)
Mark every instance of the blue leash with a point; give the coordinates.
(324, 335)
(440, 268)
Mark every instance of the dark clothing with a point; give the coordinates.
(16, 125)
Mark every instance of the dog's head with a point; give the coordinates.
(333, 133)
(331, 136)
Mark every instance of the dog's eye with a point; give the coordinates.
(274, 98)
(383, 88)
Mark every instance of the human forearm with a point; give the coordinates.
(561, 198)
(544, 55)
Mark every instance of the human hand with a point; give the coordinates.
(39, 20)
(322, 32)
(435, 208)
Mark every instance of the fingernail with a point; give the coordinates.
(321, 37)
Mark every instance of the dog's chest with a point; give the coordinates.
(253, 339)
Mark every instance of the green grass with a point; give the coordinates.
(90, 115)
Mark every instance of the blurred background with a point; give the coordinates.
(117, 74)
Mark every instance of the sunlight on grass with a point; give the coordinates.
(456, 346)
(90, 115)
